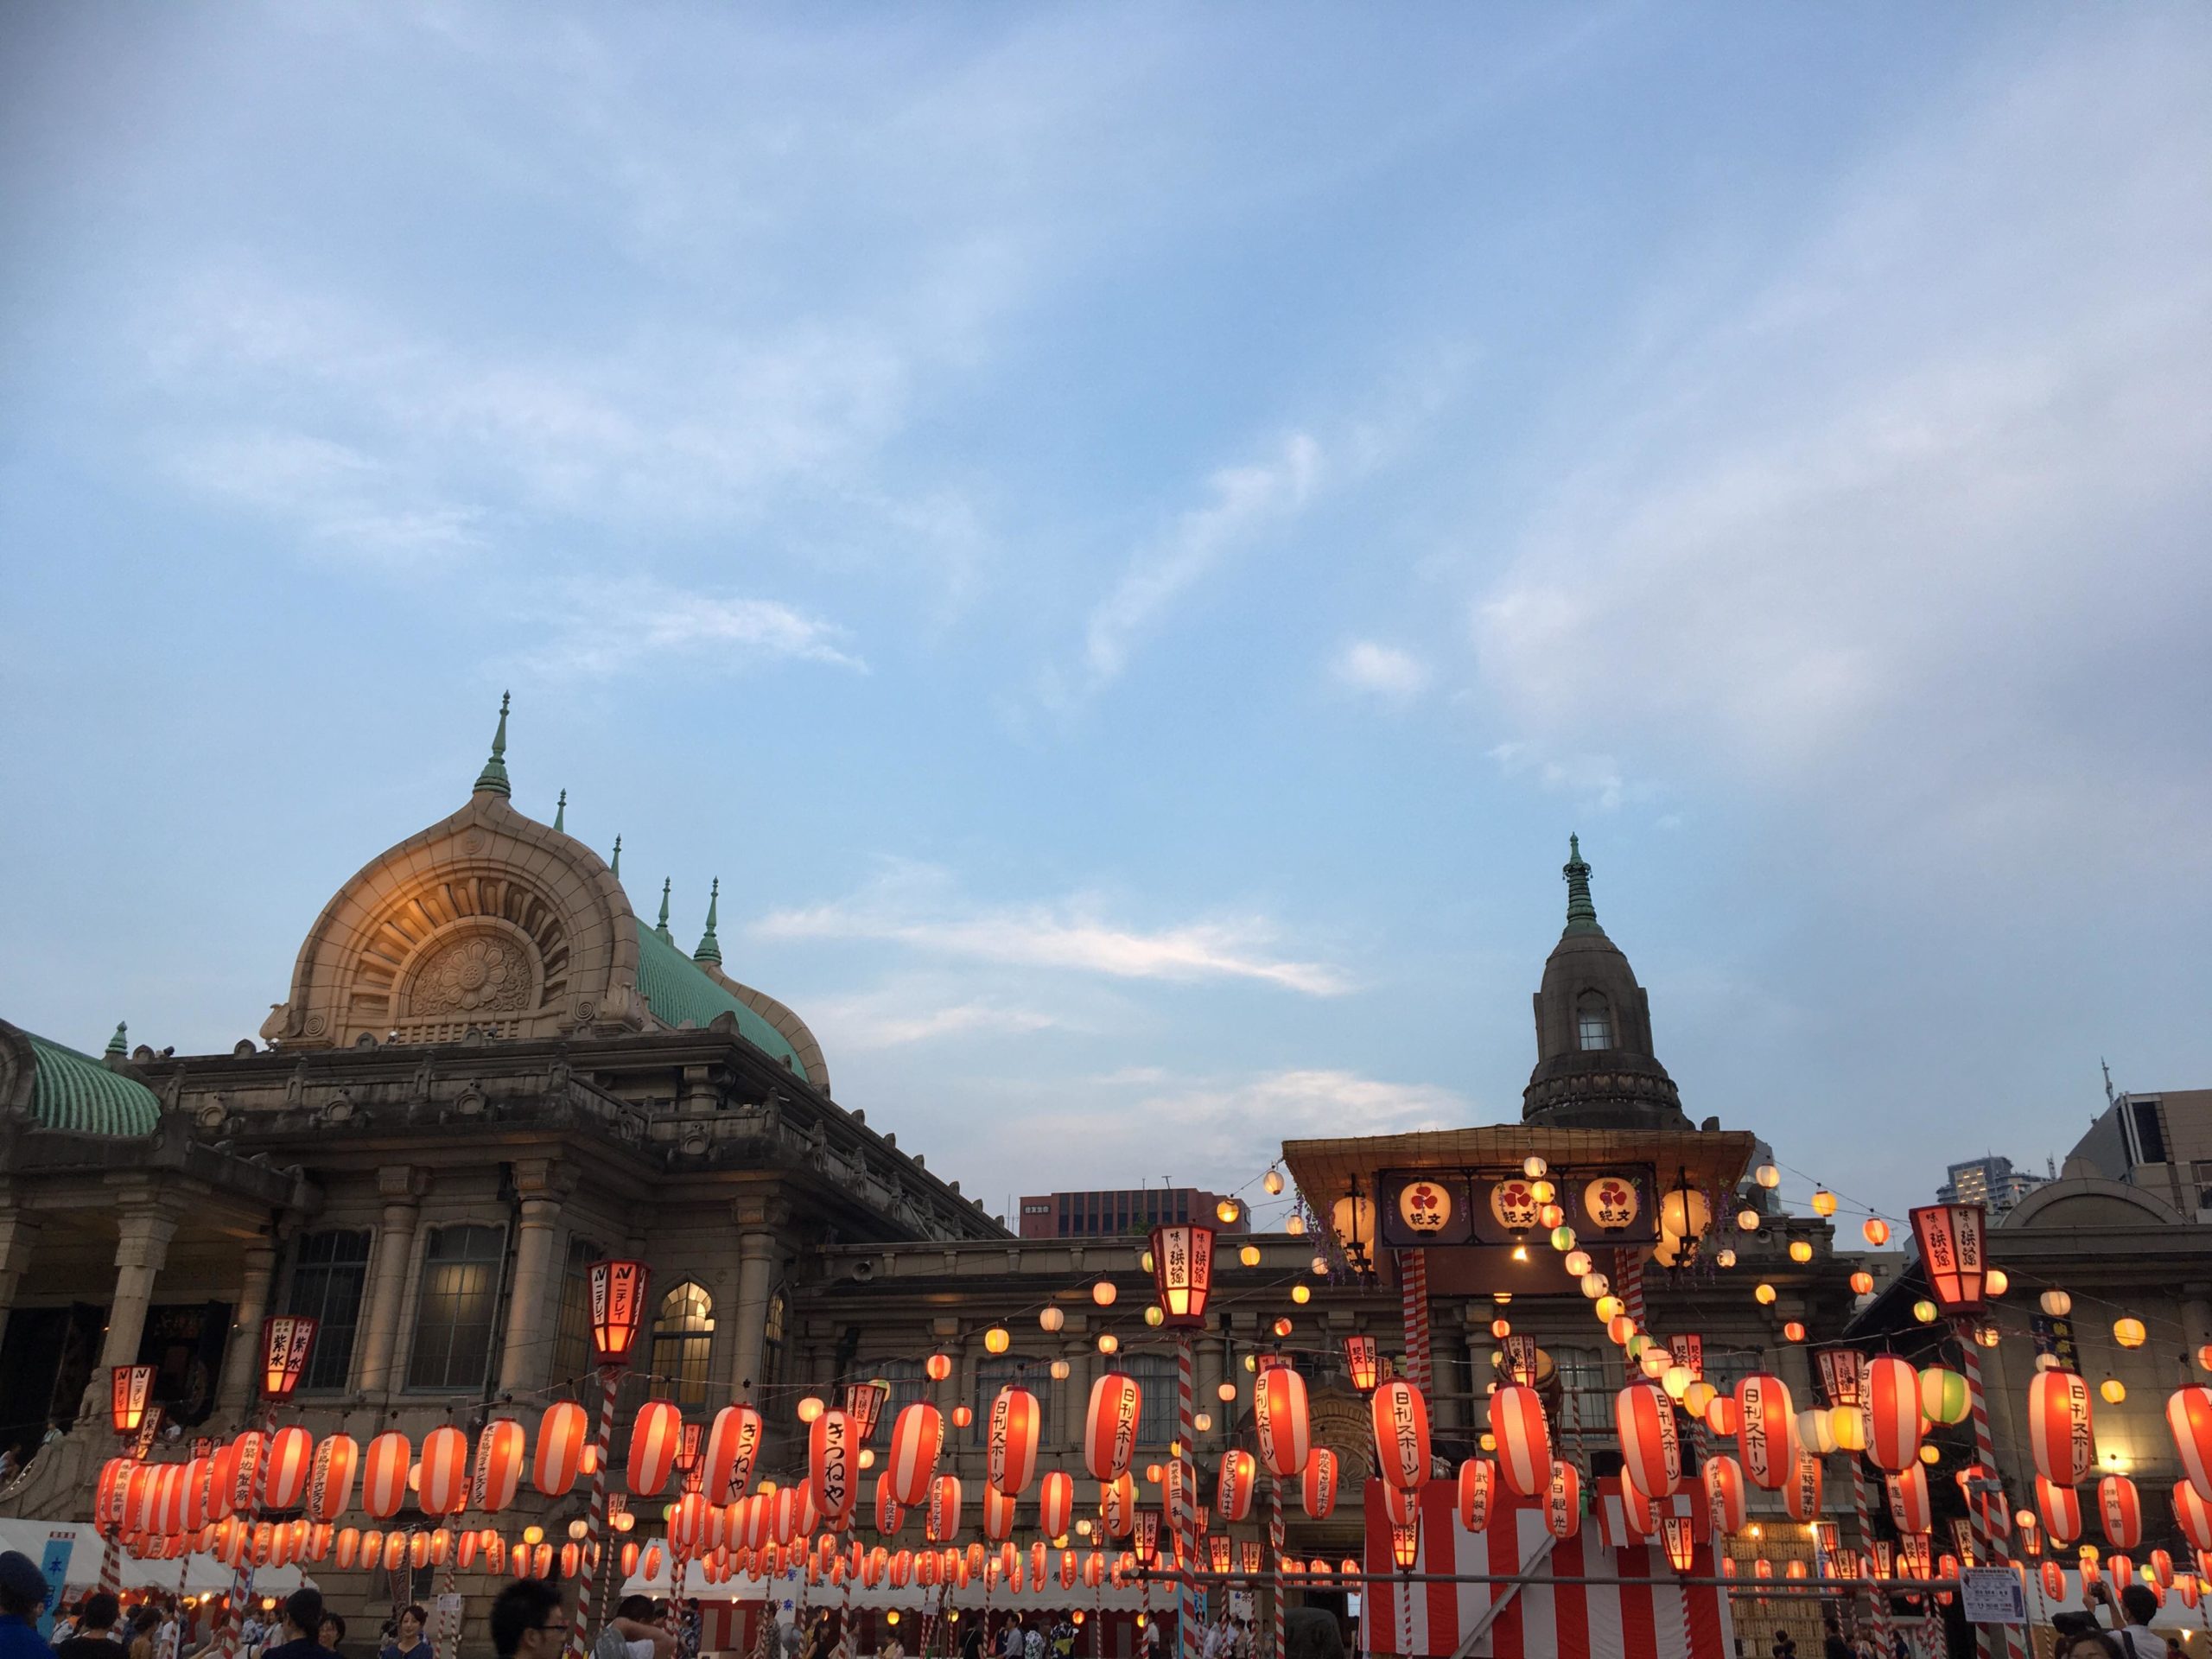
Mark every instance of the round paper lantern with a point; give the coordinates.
(1400, 1420)
(942, 1522)
(1478, 1480)
(1317, 1483)
(2189, 1417)
(1722, 1417)
(1908, 1495)
(1056, 1504)
(1802, 1497)
(2129, 1332)
(2193, 1515)
(1637, 1510)
(347, 1547)
(1725, 1497)
(1010, 1440)
(1944, 1397)
(2060, 1435)
(330, 1487)
(442, 1485)
(1239, 1474)
(2120, 1511)
(1279, 1420)
(917, 1440)
(286, 1463)
(383, 1474)
(1763, 1433)
(1524, 1441)
(1815, 1433)
(1652, 1453)
(1563, 1500)
(732, 1444)
(998, 1514)
(654, 1442)
(1893, 1418)
(1875, 1230)
(1847, 1428)
(1109, 1426)
(2060, 1507)
(558, 1458)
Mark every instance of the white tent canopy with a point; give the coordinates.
(203, 1575)
(793, 1588)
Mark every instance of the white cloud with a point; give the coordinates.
(602, 628)
(1595, 780)
(914, 906)
(340, 498)
(896, 1019)
(1379, 670)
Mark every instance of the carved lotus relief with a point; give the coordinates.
(480, 974)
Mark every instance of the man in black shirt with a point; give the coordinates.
(303, 1625)
(94, 1620)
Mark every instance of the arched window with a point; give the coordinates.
(1594, 1022)
(455, 1308)
(771, 1338)
(1034, 1375)
(684, 1342)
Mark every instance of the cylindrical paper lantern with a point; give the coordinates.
(443, 1488)
(347, 1547)
(2060, 1435)
(1722, 1417)
(1477, 1484)
(942, 1524)
(1893, 1420)
(1725, 1498)
(383, 1474)
(1563, 1500)
(655, 1439)
(889, 1518)
(1401, 1417)
(559, 1456)
(286, 1463)
(998, 1514)
(2189, 1415)
(1762, 1437)
(1908, 1494)
(330, 1485)
(1056, 1504)
(1279, 1420)
(2193, 1515)
(1802, 1497)
(832, 1471)
(732, 1446)
(1650, 1452)
(1524, 1441)
(916, 1440)
(1117, 1504)
(1317, 1483)
(500, 1453)
(2054, 1581)
(1637, 1509)
(1109, 1426)
(2062, 1510)
(2120, 1511)
(1010, 1440)
(1239, 1474)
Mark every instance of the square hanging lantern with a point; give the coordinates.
(1249, 1550)
(286, 1341)
(1843, 1374)
(1218, 1546)
(1360, 1361)
(1404, 1542)
(149, 1429)
(1147, 1535)
(618, 1310)
(1950, 1237)
(864, 1405)
(1182, 1272)
(687, 1447)
(130, 1387)
(1681, 1544)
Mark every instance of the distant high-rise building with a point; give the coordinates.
(1991, 1182)
(2162, 1143)
(1128, 1210)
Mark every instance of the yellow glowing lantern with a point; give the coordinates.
(2114, 1390)
(1228, 1210)
(1924, 1311)
(809, 1407)
(1301, 1294)
(1295, 1225)
(1249, 1255)
(1767, 1176)
(1608, 1307)
(1273, 1182)
(1226, 1392)
(1823, 1201)
(1051, 1319)
(1059, 1370)
(1108, 1343)
(1677, 1380)
(1535, 1167)
(1542, 1191)
(1801, 1250)
(1929, 1455)
(2129, 1332)
(997, 1339)
(1764, 1295)
(1726, 1258)
(1156, 1315)
(1747, 1220)
(1578, 1263)
(1996, 1283)
(1104, 1293)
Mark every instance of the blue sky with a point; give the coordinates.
(1128, 537)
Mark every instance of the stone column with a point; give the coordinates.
(141, 1250)
(758, 1247)
(403, 1187)
(234, 1397)
(18, 1237)
(526, 1362)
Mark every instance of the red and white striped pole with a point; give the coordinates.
(1876, 1595)
(1413, 1305)
(1186, 1546)
(1274, 1544)
(1989, 1542)
(595, 1522)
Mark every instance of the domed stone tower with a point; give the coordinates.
(1595, 1068)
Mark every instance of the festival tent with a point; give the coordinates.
(203, 1575)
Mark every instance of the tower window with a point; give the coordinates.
(1594, 1023)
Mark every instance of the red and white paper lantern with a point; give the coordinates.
(1524, 1440)
(1401, 1418)
(916, 1440)
(1279, 1420)
(1764, 1436)
(1010, 1442)
(1109, 1426)
(2060, 1433)
(1652, 1453)
(1893, 1418)
(1317, 1483)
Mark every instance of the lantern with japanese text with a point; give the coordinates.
(1764, 1432)
(1279, 1420)
(383, 1474)
(1109, 1426)
(1239, 1474)
(1117, 1504)
(654, 1442)
(1401, 1418)
(285, 1469)
(286, 1340)
(500, 1452)
(1652, 1453)
(1724, 1496)
(917, 1439)
(1404, 1542)
(1908, 1495)
(2060, 1433)
(732, 1444)
(942, 1521)
(1523, 1438)
(1802, 1497)
(2120, 1511)
(1317, 1483)
(1950, 1236)
(618, 1313)
(1563, 1500)
(832, 1467)
(1477, 1491)
(131, 1391)
(2189, 1417)
(1056, 1504)
(1011, 1441)
(1182, 1272)
(1362, 1363)
(2054, 1581)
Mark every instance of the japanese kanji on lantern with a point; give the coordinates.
(732, 1444)
(1563, 1500)
(1010, 1440)
(1109, 1426)
(1476, 1489)
(942, 1521)
(618, 1310)
(1950, 1236)
(1317, 1483)
(1117, 1504)
(499, 1451)
(1279, 1420)
(1908, 1495)
(832, 1467)
(1726, 1500)
(286, 1341)
(2060, 1435)
(1362, 1362)
(1650, 1451)
(1763, 1433)
(1182, 1273)
(2120, 1511)
(1238, 1474)
(1400, 1420)
(1802, 1497)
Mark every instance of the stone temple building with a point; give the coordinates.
(488, 1068)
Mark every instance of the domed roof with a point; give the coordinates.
(1595, 1068)
(74, 1092)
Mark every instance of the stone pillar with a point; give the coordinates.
(234, 1397)
(403, 1187)
(526, 1362)
(141, 1250)
(758, 1247)
(18, 1238)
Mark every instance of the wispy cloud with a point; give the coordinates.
(916, 905)
(601, 628)
(1384, 672)
(1593, 778)
(897, 1018)
(341, 500)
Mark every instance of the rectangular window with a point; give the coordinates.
(572, 1336)
(329, 1273)
(2149, 1138)
(1155, 1379)
(457, 1309)
(1582, 1372)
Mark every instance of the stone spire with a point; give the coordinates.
(614, 864)
(708, 951)
(494, 777)
(661, 927)
(117, 1048)
(561, 813)
(1581, 914)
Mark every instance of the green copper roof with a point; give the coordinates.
(494, 775)
(710, 950)
(675, 990)
(1581, 914)
(75, 1091)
